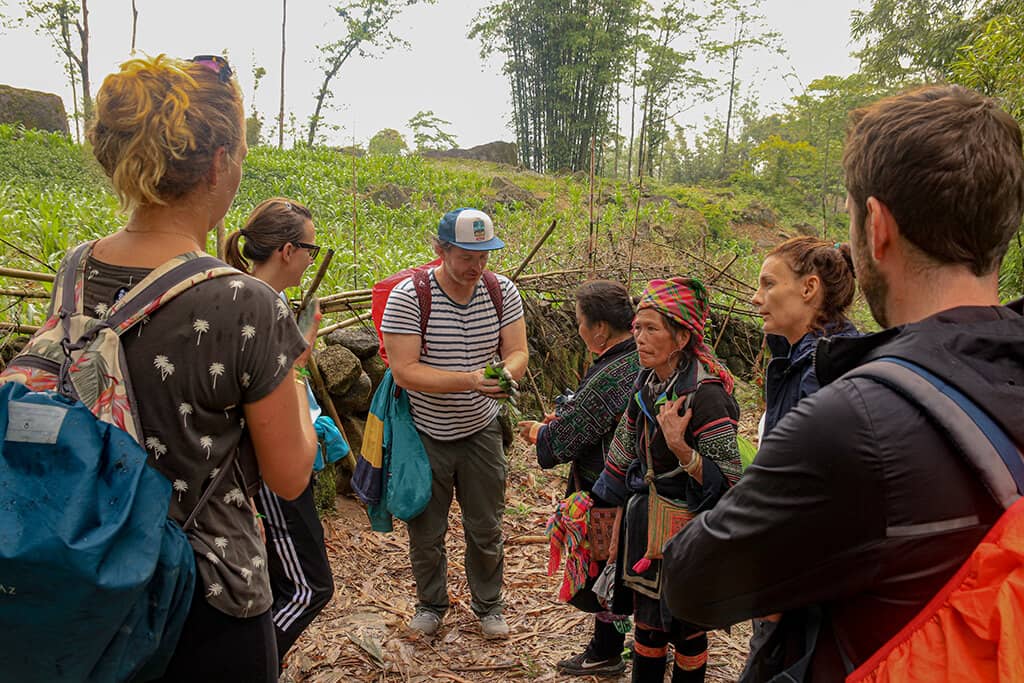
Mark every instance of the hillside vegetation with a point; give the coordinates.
(52, 196)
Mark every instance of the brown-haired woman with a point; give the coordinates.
(580, 433)
(805, 287)
(213, 367)
(279, 245)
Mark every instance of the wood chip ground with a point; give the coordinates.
(362, 636)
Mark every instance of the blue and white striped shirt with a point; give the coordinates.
(460, 339)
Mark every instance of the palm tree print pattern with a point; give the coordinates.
(206, 442)
(184, 409)
(235, 285)
(200, 326)
(216, 370)
(181, 486)
(248, 332)
(164, 365)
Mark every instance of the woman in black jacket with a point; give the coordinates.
(580, 431)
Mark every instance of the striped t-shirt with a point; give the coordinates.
(459, 338)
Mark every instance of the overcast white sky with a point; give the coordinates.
(442, 71)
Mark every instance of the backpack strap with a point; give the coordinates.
(494, 291)
(985, 445)
(162, 285)
(68, 292)
(201, 503)
(421, 282)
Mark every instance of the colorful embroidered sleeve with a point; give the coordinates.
(611, 485)
(713, 427)
(584, 422)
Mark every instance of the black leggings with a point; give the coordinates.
(218, 648)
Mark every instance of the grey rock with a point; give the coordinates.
(357, 398)
(339, 367)
(359, 340)
(374, 367)
(33, 109)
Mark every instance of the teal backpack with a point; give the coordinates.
(95, 580)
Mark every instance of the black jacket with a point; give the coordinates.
(790, 375)
(856, 502)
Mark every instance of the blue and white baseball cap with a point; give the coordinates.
(470, 229)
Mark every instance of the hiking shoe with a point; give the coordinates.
(494, 626)
(426, 622)
(583, 665)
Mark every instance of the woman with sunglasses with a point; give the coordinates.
(212, 368)
(676, 442)
(278, 248)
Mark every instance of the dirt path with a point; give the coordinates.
(361, 635)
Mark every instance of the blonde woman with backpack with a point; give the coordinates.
(213, 368)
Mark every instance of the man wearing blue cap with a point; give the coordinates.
(472, 315)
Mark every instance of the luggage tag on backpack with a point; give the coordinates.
(34, 423)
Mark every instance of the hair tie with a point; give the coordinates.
(243, 232)
(836, 245)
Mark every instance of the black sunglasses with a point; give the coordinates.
(216, 64)
(314, 250)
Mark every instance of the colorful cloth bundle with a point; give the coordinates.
(567, 532)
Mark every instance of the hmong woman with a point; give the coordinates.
(676, 444)
(579, 433)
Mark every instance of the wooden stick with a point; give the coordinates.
(21, 329)
(725, 325)
(536, 247)
(26, 275)
(320, 390)
(354, 294)
(348, 322)
(317, 279)
(536, 390)
(720, 272)
(35, 258)
(24, 293)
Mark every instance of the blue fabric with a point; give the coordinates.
(404, 480)
(790, 376)
(97, 582)
(328, 437)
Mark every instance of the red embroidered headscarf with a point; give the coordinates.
(685, 301)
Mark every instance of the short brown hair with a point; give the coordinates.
(947, 162)
(158, 124)
(274, 223)
(833, 265)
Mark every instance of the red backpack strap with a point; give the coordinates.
(494, 291)
(421, 282)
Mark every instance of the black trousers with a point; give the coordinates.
(300, 575)
(215, 647)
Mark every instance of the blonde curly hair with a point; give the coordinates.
(158, 124)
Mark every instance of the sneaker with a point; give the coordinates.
(583, 665)
(494, 626)
(426, 622)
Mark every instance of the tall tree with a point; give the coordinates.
(750, 32)
(366, 28)
(671, 84)
(563, 59)
(908, 40)
(994, 62)
(57, 19)
(280, 112)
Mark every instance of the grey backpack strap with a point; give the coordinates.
(224, 469)
(986, 446)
